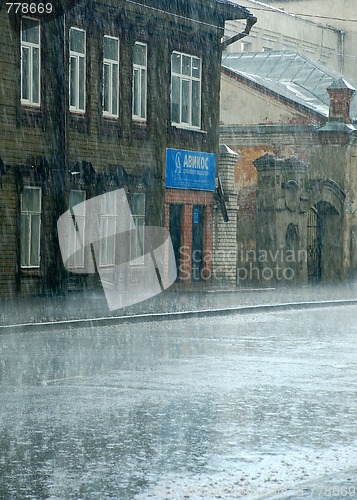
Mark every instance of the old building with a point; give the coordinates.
(100, 96)
(291, 126)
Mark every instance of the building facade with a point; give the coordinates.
(295, 170)
(94, 98)
(323, 30)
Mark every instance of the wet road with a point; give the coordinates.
(227, 407)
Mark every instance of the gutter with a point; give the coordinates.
(341, 49)
(251, 20)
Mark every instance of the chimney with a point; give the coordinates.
(341, 93)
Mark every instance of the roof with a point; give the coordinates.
(289, 75)
(224, 10)
(342, 84)
(232, 10)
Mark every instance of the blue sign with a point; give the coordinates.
(190, 170)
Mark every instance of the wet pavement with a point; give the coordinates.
(88, 304)
(241, 406)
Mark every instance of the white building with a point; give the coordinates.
(323, 30)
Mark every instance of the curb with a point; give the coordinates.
(166, 316)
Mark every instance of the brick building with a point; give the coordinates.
(95, 98)
(292, 125)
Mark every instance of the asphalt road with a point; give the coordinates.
(243, 406)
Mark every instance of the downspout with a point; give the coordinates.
(341, 50)
(251, 20)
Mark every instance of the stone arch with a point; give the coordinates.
(327, 190)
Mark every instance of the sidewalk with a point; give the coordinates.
(91, 305)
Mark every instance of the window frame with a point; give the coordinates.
(111, 63)
(135, 260)
(77, 56)
(77, 219)
(106, 218)
(30, 214)
(31, 46)
(140, 69)
(190, 79)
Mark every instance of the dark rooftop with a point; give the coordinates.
(234, 10)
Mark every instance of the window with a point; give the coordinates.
(30, 226)
(137, 203)
(139, 81)
(107, 231)
(76, 249)
(30, 62)
(77, 70)
(185, 90)
(111, 76)
(246, 46)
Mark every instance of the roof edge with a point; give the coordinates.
(232, 11)
(245, 80)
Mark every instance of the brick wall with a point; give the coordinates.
(8, 236)
(225, 233)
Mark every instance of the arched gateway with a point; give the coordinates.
(300, 223)
(325, 232)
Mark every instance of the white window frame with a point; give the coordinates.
(186, 79)
(77, 261)
(108, 219)
(246, 46)
(113, 66)
(140, 74)
(134, 235)
(77, 56)
(30, 214)
(31, 47)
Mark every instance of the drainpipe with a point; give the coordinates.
(341, 50)
(251, 20)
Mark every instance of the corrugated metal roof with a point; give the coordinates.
(290, 75)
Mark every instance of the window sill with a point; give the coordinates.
(138, 121)
(31, 105)
(77, 112)
(187, 128)
(110, 117)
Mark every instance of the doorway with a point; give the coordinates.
(314, 245)
(324, 243)
(197, 241)
(175, 233)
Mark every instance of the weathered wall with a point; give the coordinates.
(251, 143)
(42, 146)
(244, 104)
